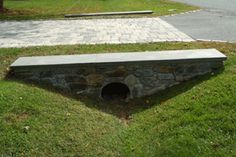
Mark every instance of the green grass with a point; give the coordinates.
(44, 9)
(196, 118)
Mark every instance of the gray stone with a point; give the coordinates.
(131, 80)
(145, 72)
(137, 91)
(118, 72)
(165, 76)
(95, 79)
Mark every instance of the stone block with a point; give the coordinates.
(165, 76)
(120, 71)
(95, 79)
(75, 87)
(75, 79)
(144, 72)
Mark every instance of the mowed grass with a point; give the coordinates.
(196, 118)
(43, 9)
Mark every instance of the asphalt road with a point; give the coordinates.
(217, 20)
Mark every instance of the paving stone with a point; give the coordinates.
(93, 31)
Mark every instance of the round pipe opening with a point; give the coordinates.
(115, 91)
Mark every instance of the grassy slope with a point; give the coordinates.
(196, 118)
(35, 9)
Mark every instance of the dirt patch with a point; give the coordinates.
(10, 12)
(13, 118)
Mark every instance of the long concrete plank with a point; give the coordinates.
(109, 13)
(156, 56)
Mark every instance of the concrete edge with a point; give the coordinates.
(108, 13)
(187, 12)
(218, 57)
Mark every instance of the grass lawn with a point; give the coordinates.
(43, 9)
(196, 118)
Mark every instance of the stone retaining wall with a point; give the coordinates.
(142, 78)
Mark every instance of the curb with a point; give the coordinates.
(188, 12)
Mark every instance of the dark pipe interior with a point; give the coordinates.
(114, 91)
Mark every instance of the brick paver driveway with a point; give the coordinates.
(95, 31)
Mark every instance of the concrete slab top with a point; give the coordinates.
(110, 13)
(154, 56)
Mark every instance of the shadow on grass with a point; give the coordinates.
(122, 109)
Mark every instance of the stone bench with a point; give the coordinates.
(124, 75)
